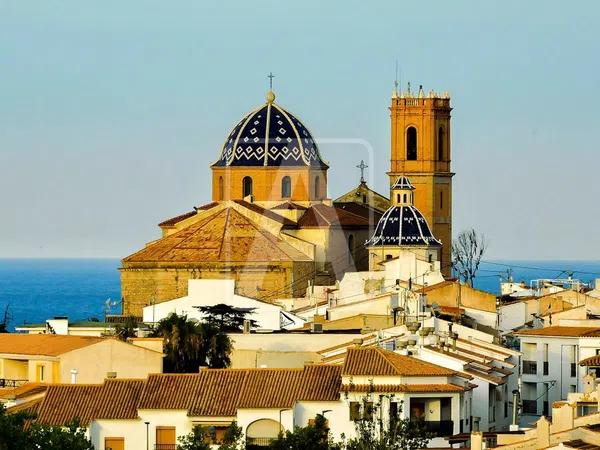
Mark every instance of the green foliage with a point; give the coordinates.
(225, 317)
(314, 437)
(16, 435)
(127, 329)
(399, 434)
(200, 437)
(189, 344)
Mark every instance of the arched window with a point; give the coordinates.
(247, 186)
(441, 144)
(404, 198)
(350, 249)
(286, 187)
(411, 144)
(221, 189)
(397, 198)
(317, 187)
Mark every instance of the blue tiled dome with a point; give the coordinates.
(402, 225)
(270, 136)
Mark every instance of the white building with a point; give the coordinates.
(125, 414)
(205, 292)
(549, 366)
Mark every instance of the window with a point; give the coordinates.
(394, 411)
(317, 188)
(404, 200)
(397, 198)
(441, 144)
(40, 373)
(411, 144)
(247, 186)
(368, 411)
(441, 199)
(350, 249)
(286, 187)
(354, 411)
(114, 443)
(165, 438)
(388, 257)
(221, 188)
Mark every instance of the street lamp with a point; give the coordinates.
(147, 435)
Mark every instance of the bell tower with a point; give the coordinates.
(420, 150)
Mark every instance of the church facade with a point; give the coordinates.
(271, 225)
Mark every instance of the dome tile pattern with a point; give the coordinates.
(403, 183)
(270, 136)
(402, 225)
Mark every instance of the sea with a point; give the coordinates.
(33, 290)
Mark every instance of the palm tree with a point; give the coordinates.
(189, 344)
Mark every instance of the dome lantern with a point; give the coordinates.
(402, 192)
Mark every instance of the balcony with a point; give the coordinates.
(529, 367)
(440, 428)
(529, 406)
(258, 443)
(9, 383)
(165, 446)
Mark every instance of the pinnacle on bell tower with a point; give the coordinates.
(420, 150)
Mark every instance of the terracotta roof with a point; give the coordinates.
(592, 361)
(265, 212)
(224, 236)
(377, 361)
(448, 387)
(271, 388)
(29, 407)
(322, 216)
(115, 399)
(289, 205)
(218, 392)
(559, 331)
(43, 344)
(23, 391)
(366, 211)
(174, 220)
(170, 391)
(580, 444)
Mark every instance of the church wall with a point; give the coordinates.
(266, 183)
(140, 285)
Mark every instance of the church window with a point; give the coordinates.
(350, 248)
(286, 187)
(247, 186)
(441, 144)
(404, 198)
(397, 198)
(221, 188)
(317, 188)
(411, 144)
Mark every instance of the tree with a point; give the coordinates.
(226, 317)
(399, 434)
(315, 436)
(199, 439)
(189, 344)
(127, 329)
(70, 437)
(17, 433)
(467, 251)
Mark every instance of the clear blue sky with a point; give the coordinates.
(111, 112)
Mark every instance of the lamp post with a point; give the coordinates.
(147, 435)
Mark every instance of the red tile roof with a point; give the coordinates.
(23, 391)
(175, 220)
(323, 216)
(448, 387)
(377, 361)
(43, 344)
(559, 331)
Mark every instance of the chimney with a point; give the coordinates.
(74, 373)
(477, 440)
(514, 426)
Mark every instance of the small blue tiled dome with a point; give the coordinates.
(403, 225)
(270, 136)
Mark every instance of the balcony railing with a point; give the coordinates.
(257, 443)
(440, 428)
(529, 367)
(5, 382)
(529, 406)
(165, 446)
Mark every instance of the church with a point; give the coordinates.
(273, 229)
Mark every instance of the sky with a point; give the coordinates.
(111, 112)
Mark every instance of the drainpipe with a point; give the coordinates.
(514, 426)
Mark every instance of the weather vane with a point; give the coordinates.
(270, 77)
(362, 166)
